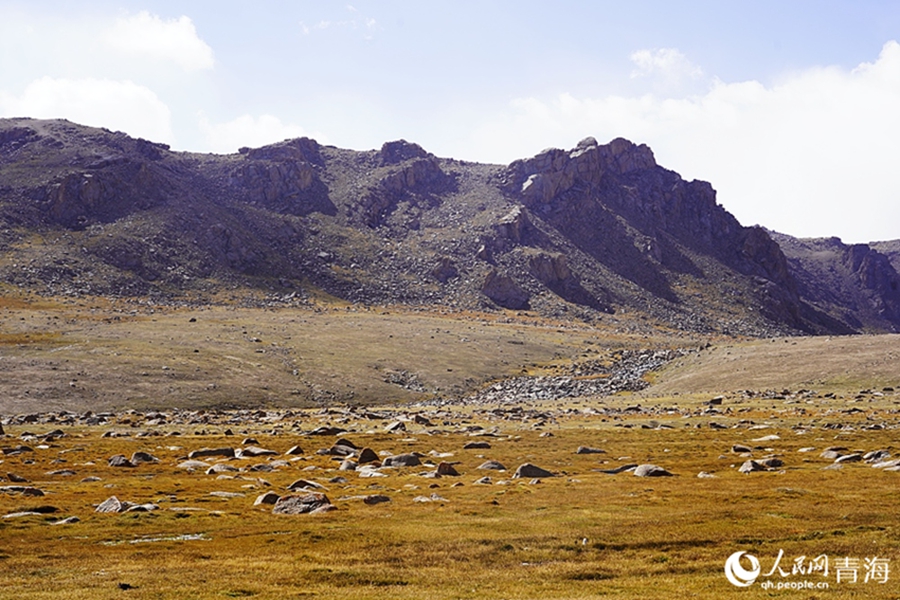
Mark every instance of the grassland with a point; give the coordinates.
(580, 534)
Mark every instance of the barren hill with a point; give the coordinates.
(579, 234)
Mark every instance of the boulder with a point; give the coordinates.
(324, 430)
(298, 504)
(855, 457)
(295, 451)
(304, 484)
(267, 498)
(110, 505)
(530, 471)
(207, 452)
(619, 469)
(395, 427)
(366, 455)
(589, 450)
(143, 457)
(751, 466)
(492, 465)
(221, 468)
(401, 460)
(504, 291)
(253, 451)
(193, 465)
(119, 460)
(445, 468)
(649, 470)
(376, 499)
(477, 446)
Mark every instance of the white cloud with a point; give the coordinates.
(247, 130)
(668, 63)
(117, 105)
(357, 21)
(812, 155)
(174, 40)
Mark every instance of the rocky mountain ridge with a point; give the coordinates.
(585, 234)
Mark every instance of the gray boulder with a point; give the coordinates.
(299, 504)
(492, 465)
(402, 460)
(651, 471)
(530, 471)
(207, 452)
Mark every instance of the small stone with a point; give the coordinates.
(375, 499)
(589, 450)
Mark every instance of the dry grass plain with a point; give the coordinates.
(580, 534)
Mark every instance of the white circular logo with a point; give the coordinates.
(737, 574)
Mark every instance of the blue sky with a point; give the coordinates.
(787, 108)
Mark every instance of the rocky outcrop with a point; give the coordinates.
(419, 181)
(79, 199)
(284, 177)
(394, 153)
(553, 172)
(571, 234)
(851, 283)
(504, 291)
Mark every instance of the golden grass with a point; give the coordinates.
(582, 534)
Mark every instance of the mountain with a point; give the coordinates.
(853, 283)
(599, 232)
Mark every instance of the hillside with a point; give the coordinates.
(854, 284)
(592, 234)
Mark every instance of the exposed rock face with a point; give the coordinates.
(394, 153)
(586, 191)
(418, 182)
(834, 277)
(504, 291)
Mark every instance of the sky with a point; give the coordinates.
(790, 109)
